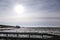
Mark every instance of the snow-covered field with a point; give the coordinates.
(32, 29)
(55, 31)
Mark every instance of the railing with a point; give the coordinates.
(28, 36)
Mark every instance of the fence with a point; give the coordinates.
(27, 36)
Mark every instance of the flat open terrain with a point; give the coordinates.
(51, 30)
(48, 30)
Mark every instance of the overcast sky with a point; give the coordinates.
(36, 13)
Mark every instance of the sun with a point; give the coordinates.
(19, 9)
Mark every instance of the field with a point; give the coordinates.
(29, 30)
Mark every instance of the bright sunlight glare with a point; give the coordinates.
(19, 9)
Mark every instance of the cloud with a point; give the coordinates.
(38, 12)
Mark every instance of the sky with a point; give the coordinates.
(30, 13)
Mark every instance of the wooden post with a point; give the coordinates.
(29, 36)
(7, 36)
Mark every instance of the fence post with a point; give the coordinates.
(7, 36)
(17, 36)
(29, 36)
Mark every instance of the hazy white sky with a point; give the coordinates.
(30, 12)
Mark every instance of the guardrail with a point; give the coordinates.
(27, 36)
